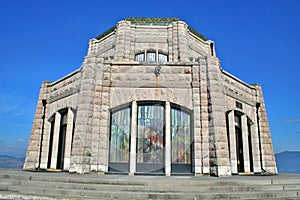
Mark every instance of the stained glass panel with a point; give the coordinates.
(119, 138)
(150, 134)
(180, 137)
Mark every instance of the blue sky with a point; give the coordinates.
(257, 41)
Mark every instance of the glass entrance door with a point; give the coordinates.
(119, 141)
(181, 141)
(150, 141)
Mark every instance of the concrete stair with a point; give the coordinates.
(17, 184)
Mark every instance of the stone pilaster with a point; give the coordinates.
(232, 139)
(182, 34)
(55, 140)
(103, 155)
(174, 54)
(33, 151)
(204, 116)
(268, 159)
(255, 145)
(197, 139)
(82, 151)
(122, 52)
(245, 143)
(219, 154)
(68, 141)
(133, 141)
(168, 139)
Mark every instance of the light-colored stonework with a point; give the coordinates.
(221, 106)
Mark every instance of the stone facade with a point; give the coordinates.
(154, 64)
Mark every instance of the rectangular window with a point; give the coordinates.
(139, 57)
(162, 58)
(239, 105)
(151, 57)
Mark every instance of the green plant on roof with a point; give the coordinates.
(112, 29)
(151, 21)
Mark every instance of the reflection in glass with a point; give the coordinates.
(180, 137)
(162, 58)
(119, 139)
(151, 56)
(150, 134)
(139, 57)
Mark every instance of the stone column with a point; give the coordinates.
(255, 145)
(268, 158)
(122, 52)
(232, 142)
(133, 140)
(204, 118)
(45, 146)
(168, 139)
(55, 140)
(68, 142)
(182, 41)
(33, 151)
(245, 143)
(197, 133)
(218, 141)
(82, 141)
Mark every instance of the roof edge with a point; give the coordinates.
(151, 21)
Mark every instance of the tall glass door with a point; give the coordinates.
(181, 141)
(150, 141)
(119, 141)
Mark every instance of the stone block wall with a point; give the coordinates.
(110, 78)
(250, 96)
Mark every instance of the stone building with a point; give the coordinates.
(151, 97)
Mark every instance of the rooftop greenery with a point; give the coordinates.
(112, 29)
(197, 33)
(149, 21)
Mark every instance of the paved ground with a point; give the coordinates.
(62, 185)
(137, 177)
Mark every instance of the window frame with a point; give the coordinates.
(120, 166)
(157, 56)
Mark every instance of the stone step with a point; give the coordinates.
(138, 180)
(152, 188)
(29, 185)
(96, 194)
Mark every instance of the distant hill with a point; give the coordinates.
(288, 162)
(11, 162)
